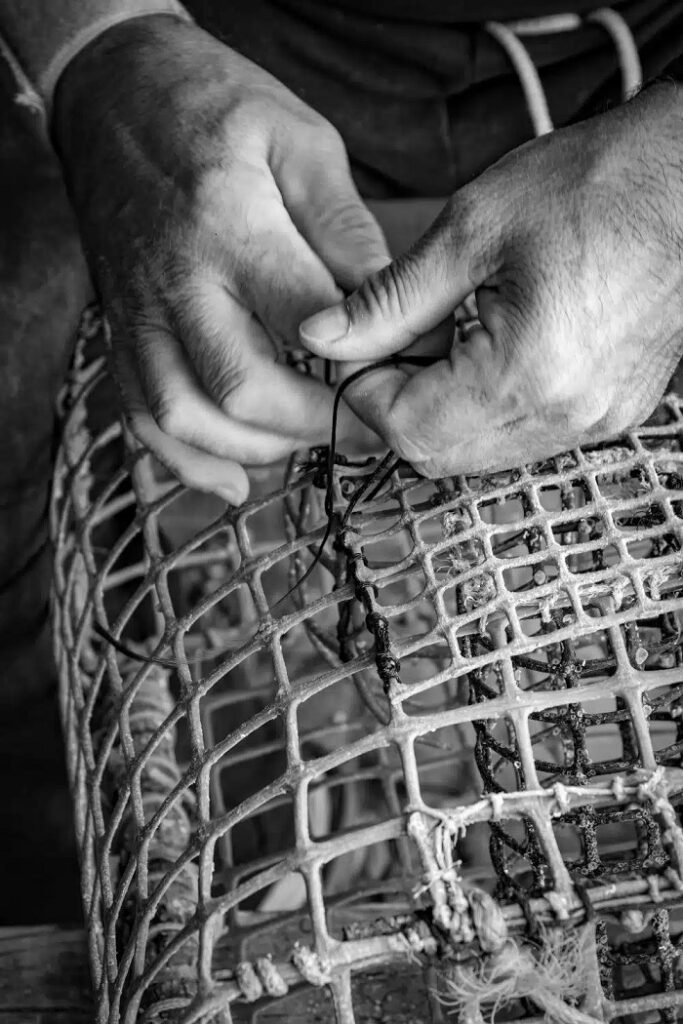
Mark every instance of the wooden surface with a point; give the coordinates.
(44, 977)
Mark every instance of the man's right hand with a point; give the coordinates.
(218, 212)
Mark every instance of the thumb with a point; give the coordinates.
(409, 297)
(325, 206)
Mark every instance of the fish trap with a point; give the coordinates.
(440, 781)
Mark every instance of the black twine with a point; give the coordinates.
(375, 480)
(384, 469)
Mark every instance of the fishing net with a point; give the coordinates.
(441, 780)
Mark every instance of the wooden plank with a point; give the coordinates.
(44, 976)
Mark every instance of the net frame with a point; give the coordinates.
(153, 826)
(155, 829)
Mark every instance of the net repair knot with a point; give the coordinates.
(310, 966)
(262, 977)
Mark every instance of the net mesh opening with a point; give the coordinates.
(459, 740)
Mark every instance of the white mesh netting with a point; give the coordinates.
(458, 742)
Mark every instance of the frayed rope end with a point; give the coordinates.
(552, 973)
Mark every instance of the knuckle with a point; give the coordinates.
(326, 138)
(466, 223)
(239, 401)
(135, 422)
(406, 282)
(405, 439)
(349, 215)
(171, 415)
(229, 387)
(391, 292)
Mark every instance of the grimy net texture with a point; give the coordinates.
(440, 781)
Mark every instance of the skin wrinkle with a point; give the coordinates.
(225, 384)
(222, 369)
(323, 143)
(347, 219)
(653, 211)
(570, 351)
(375, 294)
(405, 285)
(543, 318)
(226, 379)
(167, 222)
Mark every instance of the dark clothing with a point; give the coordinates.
(43, 286)
(457, 12)
(424, 105)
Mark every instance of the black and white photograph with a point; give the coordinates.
(341, 512)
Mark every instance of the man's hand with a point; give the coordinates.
(573, 245)
(218, 211)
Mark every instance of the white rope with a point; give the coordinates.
(545, 26)
(627, 51)
(508, 36)
(537, 105)
(88, 33)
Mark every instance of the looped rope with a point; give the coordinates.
(547, 971)
(507, 34)
(529, 79)
(310, 966)
(627, 51)
(262, 977)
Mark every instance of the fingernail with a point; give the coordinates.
(330, 325)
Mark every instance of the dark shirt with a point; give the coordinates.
(424, 101)
(451, 12)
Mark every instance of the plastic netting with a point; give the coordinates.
(460, 737)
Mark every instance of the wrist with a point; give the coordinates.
(78, 36)
(140, 104)
(40, 39)
(142, 59)
(124, 79)
(91, 76)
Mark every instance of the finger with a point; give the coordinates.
(465, 414)
(434, 345)
(197, 469)
(413, 294)
(270, 268)
(320, 195)
(182, 410)
(238, 367)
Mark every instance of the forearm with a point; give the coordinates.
(44, 35)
